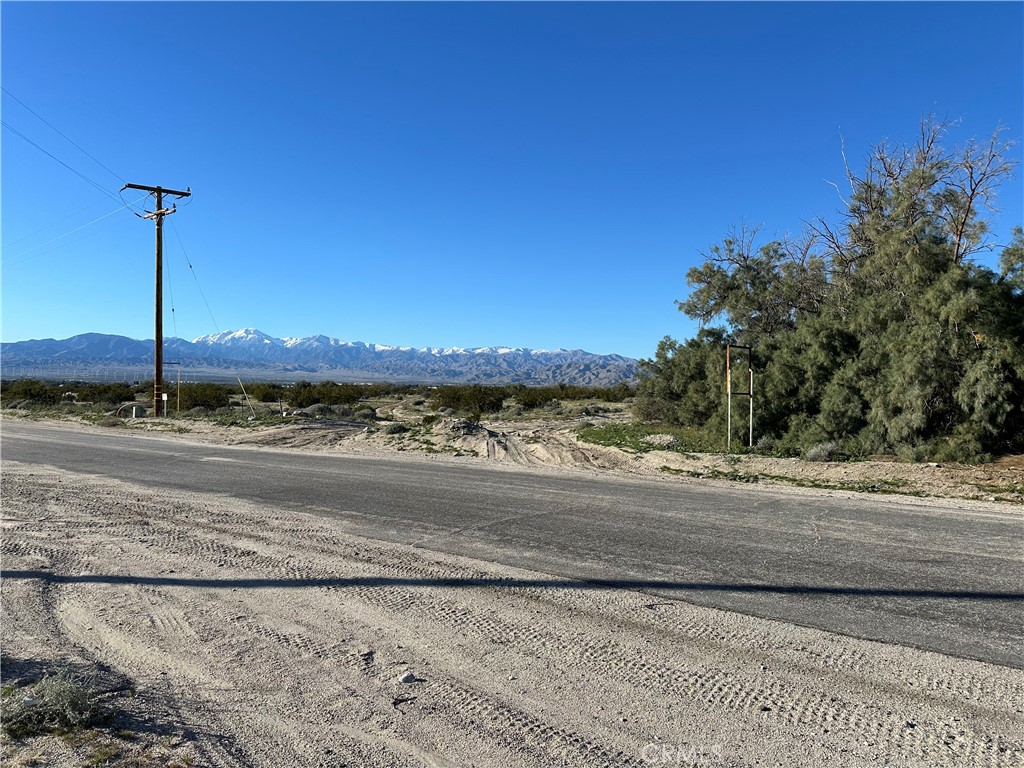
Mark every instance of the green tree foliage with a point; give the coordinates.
(880, 332)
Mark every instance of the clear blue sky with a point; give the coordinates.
(463, 174)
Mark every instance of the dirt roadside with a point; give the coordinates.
(251, 635)
(554, 444)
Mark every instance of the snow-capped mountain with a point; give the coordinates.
(252, 353)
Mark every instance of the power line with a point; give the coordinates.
(66, 234)
(170, 290)
(81, 175)
(194, 275)
(61, 245)
(51, 224)
(51, 125)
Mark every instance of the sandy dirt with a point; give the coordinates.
(233, 634)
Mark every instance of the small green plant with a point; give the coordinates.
(395, 429)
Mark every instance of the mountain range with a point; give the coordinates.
(255, 355)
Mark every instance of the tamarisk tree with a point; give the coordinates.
(880, 332)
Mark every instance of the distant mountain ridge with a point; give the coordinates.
(251, 353)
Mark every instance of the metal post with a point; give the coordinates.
(749, 393)
(728, 388)
(750, 370)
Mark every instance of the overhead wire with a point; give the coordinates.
(81, 149)
(51, 224)
(81, 175)
(117, 176)
(129, 206)
(188, 261)
(170, 291)
(26, 257)
(120, 198)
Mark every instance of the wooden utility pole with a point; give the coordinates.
(158, 217)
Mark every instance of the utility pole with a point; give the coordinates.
(158, 217)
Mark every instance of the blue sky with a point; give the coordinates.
(463, 174)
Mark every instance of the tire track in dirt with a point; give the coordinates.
(185, 513)
(717, 672)
(694, 627)
(940, 744)
(460, 703)
(513, 724)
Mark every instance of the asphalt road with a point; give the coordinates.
(935, 578)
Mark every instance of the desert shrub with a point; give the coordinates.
(536, 397)
(265, 392)
(202, 394)
(305, 393)
(641, 438)
(41, 392)
(766, 445)
(395, 429)
(472, 398)
(828, 451)
(106, 393)
(429, 419)
(366, 414)
(59, 701)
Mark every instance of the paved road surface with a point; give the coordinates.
(936, 578)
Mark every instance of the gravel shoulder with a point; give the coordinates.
(256, 636)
